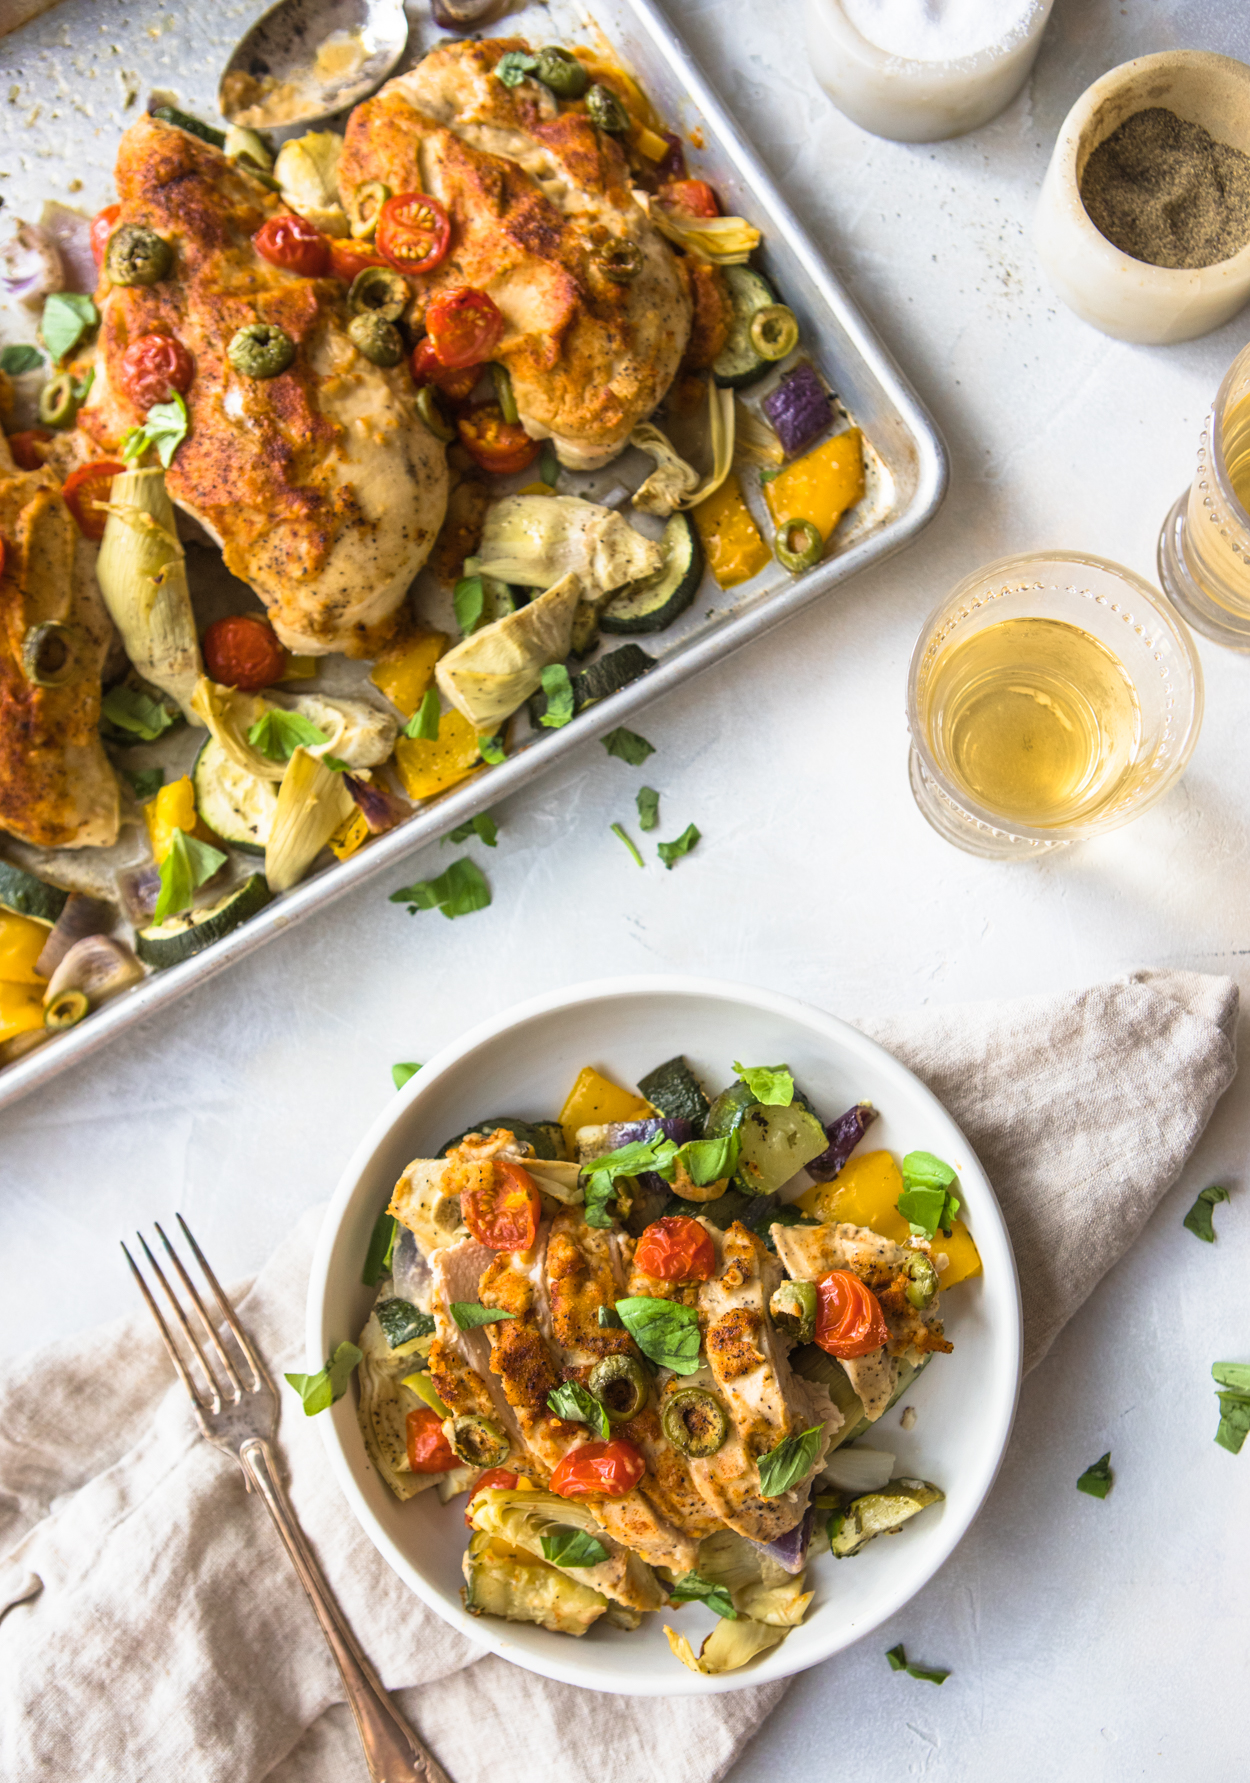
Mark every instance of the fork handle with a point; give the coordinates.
(393, 1752)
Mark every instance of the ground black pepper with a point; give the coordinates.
(1166, 192)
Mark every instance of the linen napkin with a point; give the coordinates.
(150, 1625)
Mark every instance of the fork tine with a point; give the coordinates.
(166, 1337)
(260, 1375)
(184, 1327)
(207, 1323)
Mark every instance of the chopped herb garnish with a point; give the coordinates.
(790, 1461)
(694, 1588)
(559, 691)
(188, 865)
(629, 842)
(579, 1405)
(513, 66)
(627, 746)
(548, 465)
(67, 316)
(573, 1547)
(165, 427)
(380, 1243)
(424, 722)
(319, 1391)
(927, 1674)
(491, 749)
(130, 709)
(482, 825)
(772, 1085)
(402, 1322)
(1234, 1423)
(665, 1331)
(1198, 1219)
(145, 783)
(17, 361)
(1097, 1480)
(277, 734)
(401, 1073)
(457, 892)
(469, 600)
(673, 851)
(648, 802)
(469, 1314)
(337, 763)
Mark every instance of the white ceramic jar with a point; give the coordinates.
(918, 101)
(1128, 298)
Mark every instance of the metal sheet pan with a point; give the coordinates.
(911, 481)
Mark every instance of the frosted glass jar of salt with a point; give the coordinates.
(923, 70)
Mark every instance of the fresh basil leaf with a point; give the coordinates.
(629, 843)
(579, 1405)
(610, 1319)
(573, 1547)
(145, 783)
(17, 361)
(1097, 1479)
(791, 1460)
(673, 851)
(627, 746)
(923, 1170)
(424, 722)
(768, 474)
(277, 734)
(165, 427)
(927, 1210)
(188, 865)
(648, 802)
(457, 892)
(491, 749)
(559, 691)
(1234, 1425)
(665, 1331)
(469, 1314)
(770, 1084)
(640, 1154)
(927, 1674)
(708, 1160)
(129, 709)
(694, 1588)
(1232, 1374)
(401, 1322)
(469, 600)
(482, 825)
(319, 1391)
(513, 66)
(401, 1073)
(599, 1190)
(1198, 1219)
(897, 1659)
(337, 764)
(67, 316)
(548, 465)
(380, 1242)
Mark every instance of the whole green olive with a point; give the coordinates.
(923, 1279)
(562, 72)
(379, 291)
(379, 340)
(136, 256)
(58, 401)
(605, 109)
(261, 350)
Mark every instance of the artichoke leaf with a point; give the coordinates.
(229, 715)
(142, 574)
(307, 170)
(493, 671)
(674, 483)
(355, 731)
(729, 1647)
(754, 440)
(312, 803)
(537, 539)
(721, 241)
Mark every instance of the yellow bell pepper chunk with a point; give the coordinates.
(866, 1193)
(172, 809)
(427, 767)
(821, 486)
(405, 676)
(21, 1009)
(350, 837)
(595, 1100)
(731, 540)
(21, 942)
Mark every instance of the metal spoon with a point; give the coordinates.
(306, 60)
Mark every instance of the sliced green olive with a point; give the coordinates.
(50, 654)
(136, 256)
(501, 377)
(58, 400)
(379, 340)
(621, 1385)
(620, 261)
(562, 72)
(66, 1010)
(924, 1279)
(379, 291)
(430, 412)
(695, 1422)
(793, 1309)
(798, 545)
(605, 110)
(774, 331)
(365, 206)
(261, 350)
(478, 1441)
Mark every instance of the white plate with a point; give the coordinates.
(523, 1063)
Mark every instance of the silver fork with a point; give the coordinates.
(240, 1418)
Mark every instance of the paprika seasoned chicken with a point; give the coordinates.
(320, 483)
(597, 311)
(57, 787)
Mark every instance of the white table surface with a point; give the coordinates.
(1085, 1639)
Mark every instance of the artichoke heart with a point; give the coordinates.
(307, 170)
(536, 539)
(312, 803)
(504, 1581)
(495, 670)
(385, 1402)
(229, 715)
(420, 1202)
(357, 732)
(143, 578)
(674, 484)
(759, 1586)
(522, 1519)
(729, 1647)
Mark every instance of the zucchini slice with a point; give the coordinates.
(170, 114)
(24, 895)
(656, 601)
(776, 1142)
(191, 931)
(234, 804)
(536, 1134)
(598, 680)
(674, 1089)
(738, 363)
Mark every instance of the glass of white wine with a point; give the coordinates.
(1051, 697)
(1204, 547)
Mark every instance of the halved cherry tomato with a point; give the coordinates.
(2, 557)
(102, 226)
(676, 1249)
(690, 198)
(347, 258)
(455, 383)
(291, 242)
(849, 1320)
(428, 1449)
(613, 1468)
(464, 326)
(242, 651)
(413, 232)
(84, 487)
(497, 445)
(494, 1476)
(153, 366)
(26, 447)
(505, 1215)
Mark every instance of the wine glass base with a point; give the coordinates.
(965, 831)
(1189, 598)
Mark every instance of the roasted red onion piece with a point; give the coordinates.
(99, 966)
(81, 916)
(30, 266)
(790, 1550)
(139, 888)
(844, 1135)
(673, 166)
(798, 409)
(70, 233)
(380, 809)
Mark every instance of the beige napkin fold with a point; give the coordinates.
(151, 1628)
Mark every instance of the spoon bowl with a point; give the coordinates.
(306, 60)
